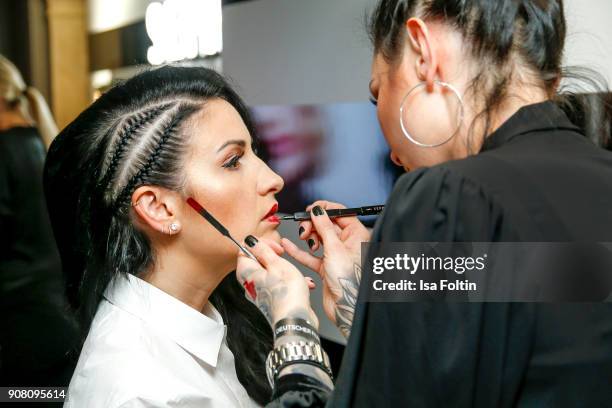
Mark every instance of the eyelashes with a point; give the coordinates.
(234, 162)
(373, 101)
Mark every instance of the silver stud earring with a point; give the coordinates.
(174, 227)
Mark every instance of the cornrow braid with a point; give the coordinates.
(169, 130)
(131, 126)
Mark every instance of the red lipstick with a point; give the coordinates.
(274, 219)
(270, 215)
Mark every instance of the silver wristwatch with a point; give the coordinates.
(294, 352)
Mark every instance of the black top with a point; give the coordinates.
(537, 179)
(35, 332)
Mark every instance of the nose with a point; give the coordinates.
(396, 160)
(269, 182)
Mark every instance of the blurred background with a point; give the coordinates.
(278, 52)
(302, 65)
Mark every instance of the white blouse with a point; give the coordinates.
(146, 348)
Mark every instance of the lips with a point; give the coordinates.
(270, 214)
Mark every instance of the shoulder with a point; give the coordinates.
(120, 361)
(478, 171)
(449, 201)
(126, 362)
(454, 180)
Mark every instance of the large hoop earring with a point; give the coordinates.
(461, 114)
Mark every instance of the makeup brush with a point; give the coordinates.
(340, 212)
(218, 226)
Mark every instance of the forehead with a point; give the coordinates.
(216, 123)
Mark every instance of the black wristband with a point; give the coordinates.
(298, 327)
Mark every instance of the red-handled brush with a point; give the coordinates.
(218, 226)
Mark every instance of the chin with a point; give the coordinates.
(272, 235)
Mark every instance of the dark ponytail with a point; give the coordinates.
(131, 136)
(505, 37)
(591, 112)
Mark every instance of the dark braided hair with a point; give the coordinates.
(135, 135)
(131, 126)
(507, 38)
(165, 133)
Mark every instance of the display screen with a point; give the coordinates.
(332, 152)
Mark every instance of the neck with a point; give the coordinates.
(11, 118)
(184, 278)
(515, 101)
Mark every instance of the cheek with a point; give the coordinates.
(231, 199)
(235, 202)
(388, 116)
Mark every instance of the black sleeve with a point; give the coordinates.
(297, 391)
(437, 205)
(430, 354)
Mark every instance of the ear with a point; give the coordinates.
(423, 44)
(158, 208)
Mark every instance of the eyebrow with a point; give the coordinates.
(238, 142)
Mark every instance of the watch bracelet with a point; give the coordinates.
(308, 362)
(318, 357)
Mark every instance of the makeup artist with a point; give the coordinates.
(467, 97)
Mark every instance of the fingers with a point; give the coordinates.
(308, 232)
(314, 242)
(325, 204)
(308, 260)
(278, 248)
(310, 282)
(305, 227)
(309, 235)
(248, 272)
(262, 250)
(325, 227)
(343, 222)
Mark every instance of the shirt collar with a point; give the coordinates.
(531, 118)
(196, 332)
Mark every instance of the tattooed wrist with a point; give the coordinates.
(345, 305)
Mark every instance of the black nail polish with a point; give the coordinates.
(311, 243)
(251, 241)
(317, 210)
(301, 231)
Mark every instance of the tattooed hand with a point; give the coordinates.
(340, 266)
(276, 286)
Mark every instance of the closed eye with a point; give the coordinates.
(373, 101)
(234, 162)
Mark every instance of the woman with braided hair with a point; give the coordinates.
(149, 277)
